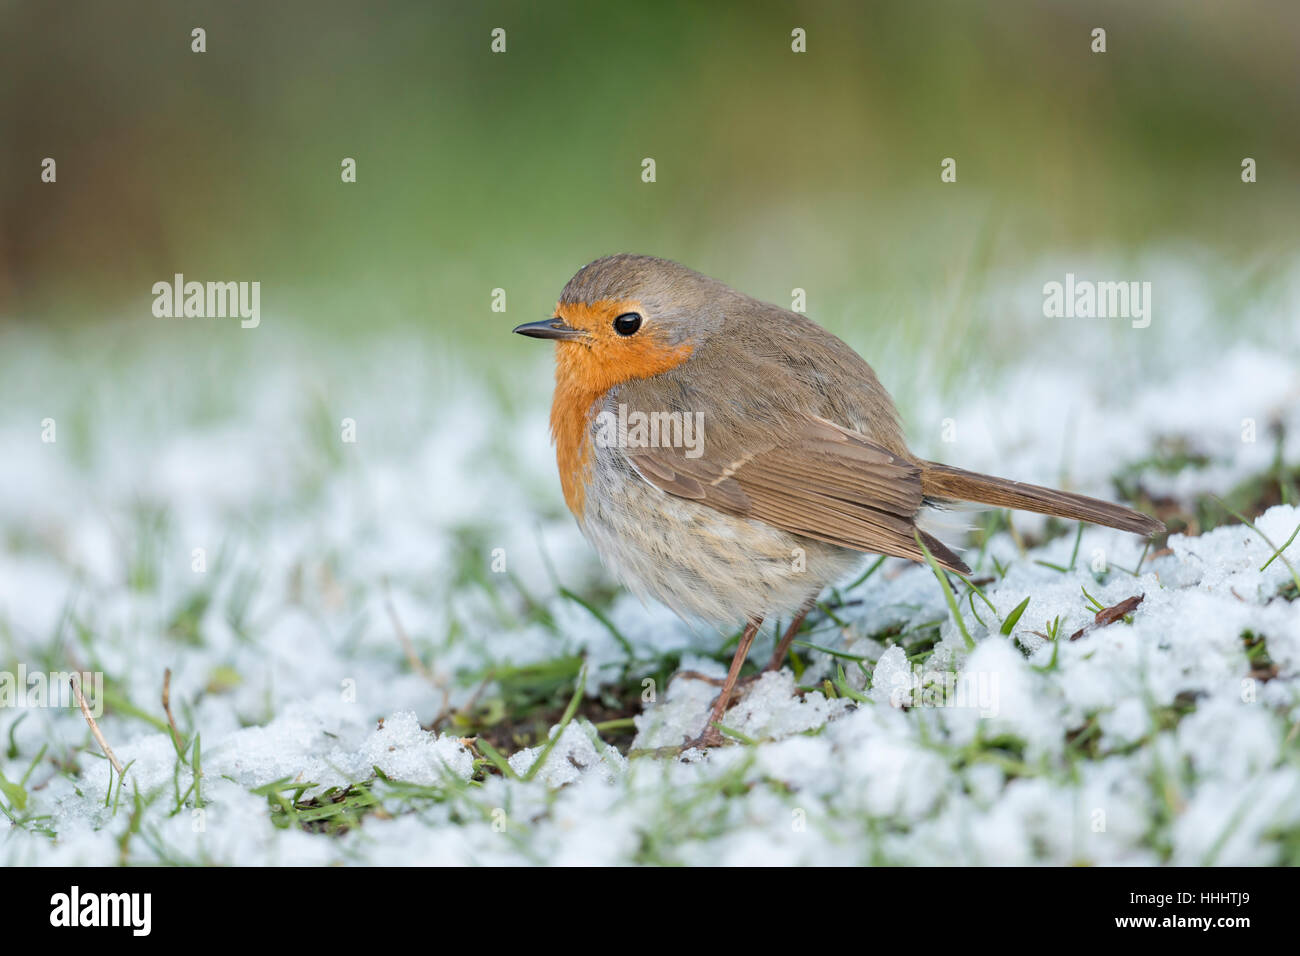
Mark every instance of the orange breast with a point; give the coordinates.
(585, 372)
(571, 412)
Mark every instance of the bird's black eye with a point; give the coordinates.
(627, 323)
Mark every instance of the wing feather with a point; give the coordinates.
(825, 482)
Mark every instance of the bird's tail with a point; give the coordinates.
(944, 483)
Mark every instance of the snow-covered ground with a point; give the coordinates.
(200, 510)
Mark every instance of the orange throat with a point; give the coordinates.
(571, 413)
(584, 372)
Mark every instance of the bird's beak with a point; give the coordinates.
(554, 328)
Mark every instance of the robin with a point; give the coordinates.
(732, 459)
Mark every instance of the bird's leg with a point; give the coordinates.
(712, 737)
(782, 649)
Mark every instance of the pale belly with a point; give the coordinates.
(701, 562)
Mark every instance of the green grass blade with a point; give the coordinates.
(947, 590)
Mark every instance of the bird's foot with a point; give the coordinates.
(712, 737)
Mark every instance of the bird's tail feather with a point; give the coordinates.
(945, 483)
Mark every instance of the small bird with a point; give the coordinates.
(732, 458)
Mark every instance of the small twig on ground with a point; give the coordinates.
(1109, 615)
(167, 709)
(94, 727)
(413, 659)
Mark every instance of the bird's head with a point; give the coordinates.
(628, 317)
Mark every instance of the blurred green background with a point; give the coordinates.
(479, 170)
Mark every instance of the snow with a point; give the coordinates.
(1023, 750)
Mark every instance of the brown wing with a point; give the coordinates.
(824, 482)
